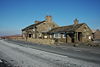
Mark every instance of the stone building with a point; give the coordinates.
(72, 33)
(77, 32)
(39, 29)
(97, 34)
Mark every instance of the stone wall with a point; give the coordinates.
(97, 34)
(40, 41)
(46, 26)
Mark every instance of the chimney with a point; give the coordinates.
(76, 21)
(37, 22)
(48, 18)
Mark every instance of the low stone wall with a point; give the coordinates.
(40, 41)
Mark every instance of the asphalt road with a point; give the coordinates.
(77, 57)
(4, 63)
(92, 55)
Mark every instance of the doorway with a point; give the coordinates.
(30, 35)
(80, 36)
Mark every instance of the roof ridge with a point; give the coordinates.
(32, 25)
(67, 28)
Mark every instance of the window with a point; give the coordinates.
(45, 37)
(57, 35)
(33, 29)
(64, 35)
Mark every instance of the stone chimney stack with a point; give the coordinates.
(48, 18)
(76, 22)
(37, 22)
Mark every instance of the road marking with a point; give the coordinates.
(78, 50)
(0, 61)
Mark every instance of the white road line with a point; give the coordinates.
(0, 61)
(78, 50)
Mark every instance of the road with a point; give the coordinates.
(21, 54)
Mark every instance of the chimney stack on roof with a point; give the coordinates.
(76, 21)
(48, 18)
(37, 22)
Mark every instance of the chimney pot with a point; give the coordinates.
(48, 18)
(76, 21)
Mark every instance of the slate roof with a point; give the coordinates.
(32, 26)
(70, 28)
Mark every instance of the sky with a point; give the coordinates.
(17, 14)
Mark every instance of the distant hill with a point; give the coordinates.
(11, 36)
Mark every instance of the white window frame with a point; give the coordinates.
(64, 35)
(58, 35)
(33, 29)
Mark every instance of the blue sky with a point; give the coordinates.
(17, 14)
